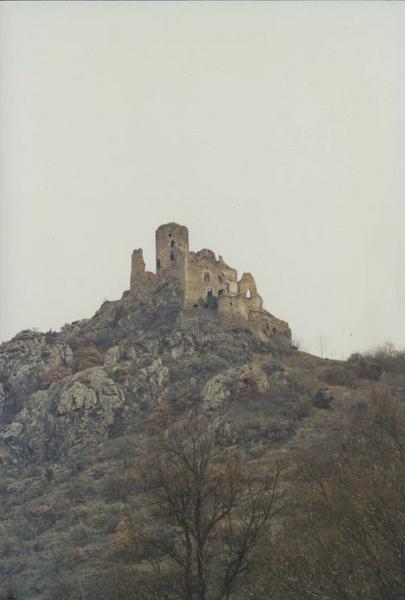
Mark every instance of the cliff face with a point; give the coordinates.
(77, 406)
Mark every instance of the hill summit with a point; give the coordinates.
(78, 406)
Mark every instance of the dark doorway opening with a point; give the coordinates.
(212, 301)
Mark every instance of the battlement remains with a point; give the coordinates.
(205, 281)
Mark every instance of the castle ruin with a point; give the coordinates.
(205, 281)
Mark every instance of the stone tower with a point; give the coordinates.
(172, 252)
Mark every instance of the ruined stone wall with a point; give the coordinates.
(206, 283)
(244, 301)
(208, 277)
(139, 276)
(247, 289)
(233, 306)
(203, 278)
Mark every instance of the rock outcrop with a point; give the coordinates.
(233, 383)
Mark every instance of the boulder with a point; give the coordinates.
(230, 383)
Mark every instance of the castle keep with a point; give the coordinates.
(205, 281)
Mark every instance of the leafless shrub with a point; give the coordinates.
(344, 527)
(58, 373)
(386, 356)
(88, 356)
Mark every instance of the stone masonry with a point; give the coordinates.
(205, 281)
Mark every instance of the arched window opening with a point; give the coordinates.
(227, 287)
(172, 243)
(158, 263)
(220, 279)
(248, 293)
(220, 292)
(172, 256)
(170, 235)
(206, 277)
(209, 292)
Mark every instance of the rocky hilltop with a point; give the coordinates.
(92, 380)
(77, 406)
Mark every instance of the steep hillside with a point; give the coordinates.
(78, 406)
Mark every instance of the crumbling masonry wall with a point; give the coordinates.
(139, 276)
(208, 278)
(205, 281)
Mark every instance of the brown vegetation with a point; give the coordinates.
(212, 514)
(88, 356)
(385, 356)
(58, 373)
(343, 534)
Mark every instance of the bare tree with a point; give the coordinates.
(213, 513)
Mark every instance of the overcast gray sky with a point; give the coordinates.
(274, 131)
